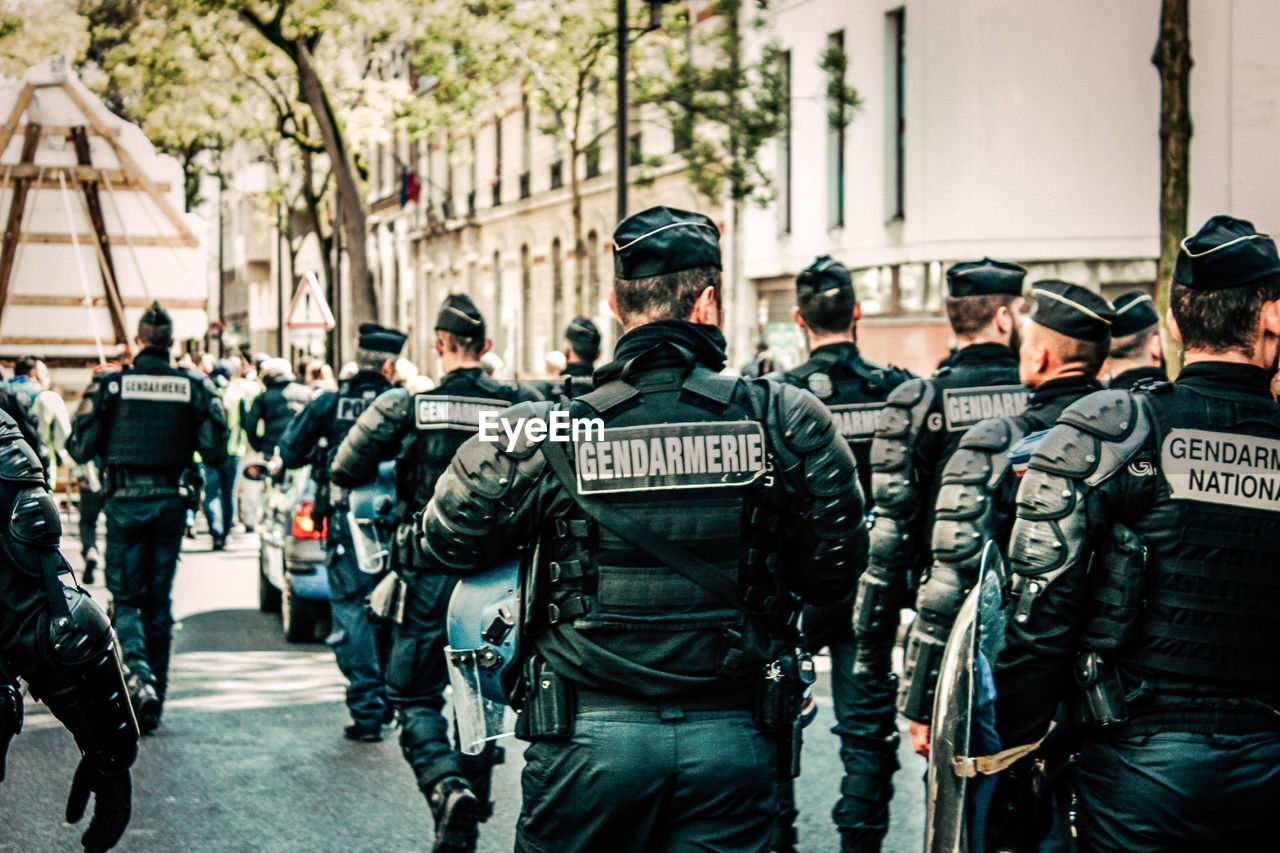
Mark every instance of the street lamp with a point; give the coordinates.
(624, 141)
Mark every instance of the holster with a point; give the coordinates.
(779, 699)
(1104, 700)
(547, 710)
(385, 602)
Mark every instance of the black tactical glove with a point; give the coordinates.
(113, 797)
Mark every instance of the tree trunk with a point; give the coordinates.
(1172, 59)
(364, 297)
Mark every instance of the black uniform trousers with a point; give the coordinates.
(643, 781)
(144, 537)
(1180, 791)
(416, 679)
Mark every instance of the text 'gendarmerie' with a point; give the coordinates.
(672, 456)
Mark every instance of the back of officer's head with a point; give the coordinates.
(460, 328)
(825, 297)
(1224, 278)
(155, 327)
(976, 293)
(1068, 332)
(377, 348)
(664, 260)
(583, 338)
(1135, 334)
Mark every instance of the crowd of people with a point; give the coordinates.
(678, 569)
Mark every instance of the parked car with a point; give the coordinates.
(292, 578)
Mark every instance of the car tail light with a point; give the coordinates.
(304, 524)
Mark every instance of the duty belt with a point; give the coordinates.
(124, 478)
(741, 699)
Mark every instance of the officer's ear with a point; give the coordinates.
(1173, 325)
(795, 315)
(613, 307)
(1270, 318)
(1155, 348)
(707, 307)
(488, 345)
(389, 368)
(857, 311)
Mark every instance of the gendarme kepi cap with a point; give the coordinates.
(582, 332)
(985, 278)
(1226, 252)
(459, 315)
(664, 240)
(381, 339)
(1072, 310)
(825, 273)
(1134, 312)
(155, 315)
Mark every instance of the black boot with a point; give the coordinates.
(147, 706)
(90, 564)
(456, 810)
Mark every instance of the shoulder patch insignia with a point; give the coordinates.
(436, 411)
(820, 385)
(964, 407)
(671, 456)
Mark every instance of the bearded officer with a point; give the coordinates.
(311, 438)
(920, 428)
(1137, 353)
(854, 390)
(119, 420)
(61, 643)
(1144, 572)
(1064, 345)
(670, 552)
(423, 432)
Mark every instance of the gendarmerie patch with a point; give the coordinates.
(856, 421)
(160, 389)
(671, 456)
(351, 408)
(964, 407)
(1222, 468)
(820, 385)
(447, 412)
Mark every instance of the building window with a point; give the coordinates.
(634, 150)
(835, 139)
(526, 306)
(498, 325)
(526, 146)
(497, 160)
(592, 155)
(557, 288)
(896, 113)
(557, 174)
(524, 184)
(592, 296)
(784, 148)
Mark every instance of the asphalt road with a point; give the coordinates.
(250, 756)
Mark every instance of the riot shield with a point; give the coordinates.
(370, 521)
(978, 627)
(483, 631)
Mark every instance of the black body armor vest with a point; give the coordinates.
(153, 421)
(354, 396)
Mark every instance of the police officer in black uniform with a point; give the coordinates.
(583, 339)
(424, 431)
(1137, 352)
(670, 548)
(61, 642)
(312, 437)
(1064, 345)
(854, 390)
(920, 428)
(145, 423)
(1144, 560)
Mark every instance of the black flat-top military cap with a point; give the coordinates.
(582, 331)
(985, 278)
(1226, 252)
(664, 240)
(155, 315)
(459, 315)
(381, 339)
(1134, 312)
(825, 273)
(1072, 310)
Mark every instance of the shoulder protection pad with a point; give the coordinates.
(993, 434)
(805, 422)
(1107, 414)
(18, 461)
(1068, 451)
(513, 418)
(909, 393)
(394, 404)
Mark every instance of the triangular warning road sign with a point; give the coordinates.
(309, 310)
